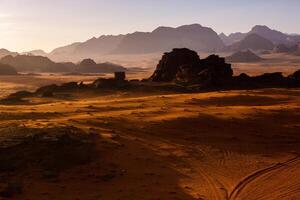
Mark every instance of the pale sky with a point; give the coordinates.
(46, 24)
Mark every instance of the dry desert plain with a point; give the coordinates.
(221, 145)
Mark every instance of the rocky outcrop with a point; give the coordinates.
(170, 63)
(184, 66)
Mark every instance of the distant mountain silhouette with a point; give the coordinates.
(7, 70)
(253, 42)
(90, 66)
(243, 56)
(160, 40)
(29, 63)
(37, 52)
(274, 36)
(26, 63)
(65, 53)
(163, 39)
(90, 48)
(5, 52)
(232, 38)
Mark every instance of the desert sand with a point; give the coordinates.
(218, 145)
(241, 144)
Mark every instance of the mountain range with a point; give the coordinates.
(159, 40)
(274, 36)
(31, 63)
(162, 39)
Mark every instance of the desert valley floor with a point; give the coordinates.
(218, 145)
(225, 145)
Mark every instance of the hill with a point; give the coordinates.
(253, 42)
(243, 56)
(90, 66)
(26, 63)
(7, 70)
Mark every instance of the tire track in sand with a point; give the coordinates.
(238, 189)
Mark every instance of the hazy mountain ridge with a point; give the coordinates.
(30, 63)
(159, 40)
(162, 39)
(252, 41)
(273, 35)
(7, 70)
(5, 52)
(37, 52)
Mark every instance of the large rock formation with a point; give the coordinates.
(170, 63)
(185, 67)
